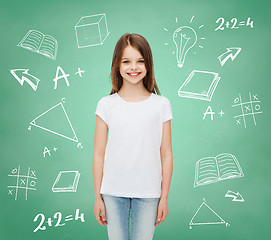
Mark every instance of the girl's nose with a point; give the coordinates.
(134, 66)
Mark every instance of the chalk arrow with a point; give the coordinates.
(22, 75)
(236, 196)
(231, 53)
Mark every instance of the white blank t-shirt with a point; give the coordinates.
(132, 164)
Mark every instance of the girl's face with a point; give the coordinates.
(132, 66)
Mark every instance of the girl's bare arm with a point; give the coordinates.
(166, 158)
(167, 169)
(100, 140)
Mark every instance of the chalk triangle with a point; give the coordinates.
(56, 121)
(206, 215)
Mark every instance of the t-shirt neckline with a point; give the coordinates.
(145, 100)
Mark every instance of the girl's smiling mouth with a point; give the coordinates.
(135, 74)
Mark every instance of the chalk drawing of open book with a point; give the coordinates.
(38, 42)
(214, 169)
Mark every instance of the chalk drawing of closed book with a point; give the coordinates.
(66, 181)
(214, 169)
(199, 85)
(38, 42)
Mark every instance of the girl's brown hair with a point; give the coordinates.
(141, 44)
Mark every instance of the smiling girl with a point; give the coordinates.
(132, 170)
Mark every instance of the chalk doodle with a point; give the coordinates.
(221, 113)
(79, 72)
(64, 75)
(214, 169)
(209, 111)
(46, 150)
(60, 74)
(24, 182)
(230, 54)
(199, 85)
(61, 127)
(38, 42)
(22, 76)
(205, 215)
(236, 196)
(91, 30)
(247, 109)
(184, 38)
(233, 24)
(58, 218)
(66, 181)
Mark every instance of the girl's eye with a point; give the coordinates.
(140, 61)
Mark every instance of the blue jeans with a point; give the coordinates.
(143, 217)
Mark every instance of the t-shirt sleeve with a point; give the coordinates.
(101, 110)
(167, 111)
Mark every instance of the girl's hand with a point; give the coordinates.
(99, 211)
(162, 211)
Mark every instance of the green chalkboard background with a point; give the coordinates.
(193, 137)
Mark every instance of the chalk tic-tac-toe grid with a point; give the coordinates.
(21, 182)
(247, 110)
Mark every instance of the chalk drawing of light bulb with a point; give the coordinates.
(184, 38)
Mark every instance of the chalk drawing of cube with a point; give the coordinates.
(91, 30)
